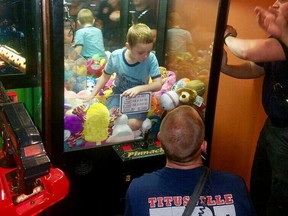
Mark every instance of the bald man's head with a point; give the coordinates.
(181, 134)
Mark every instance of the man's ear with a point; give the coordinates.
(204, 146)
(158, 136)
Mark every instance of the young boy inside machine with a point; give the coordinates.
(133, 65)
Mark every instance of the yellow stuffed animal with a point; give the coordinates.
(96, 123)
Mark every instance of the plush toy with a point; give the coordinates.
(186, 96)
(96, 123)
(81, 67)
(155, 107)
(103, 95)
(71, 99)
(73, 127)
(146, 125)
(121, 130)
(180, 84)
(168, 82)
(73, 123)
(70, 80)
(95, 66)
(80, 84)
(196, 85)
(75, 140)
(155, 122)
(75, 73)
(169, 100)
(90, 83)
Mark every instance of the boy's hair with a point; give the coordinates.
(85, 16)
(139, 33)
(174, 19)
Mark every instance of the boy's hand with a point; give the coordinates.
(86, 98)
(132, 92)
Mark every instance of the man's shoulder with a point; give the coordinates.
(146, 178)
(221, 176)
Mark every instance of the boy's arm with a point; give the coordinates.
(101, 82)
(155, 85)
(78, 49)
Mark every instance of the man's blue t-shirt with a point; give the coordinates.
(166, 192)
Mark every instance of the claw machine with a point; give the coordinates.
(97, 149)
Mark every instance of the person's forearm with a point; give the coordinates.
(153, 86)
(101, 82)
(242, 48)
(247, 70)
(255, 50)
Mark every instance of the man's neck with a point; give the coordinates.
(184, 166)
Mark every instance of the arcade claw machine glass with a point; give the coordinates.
(188, 46)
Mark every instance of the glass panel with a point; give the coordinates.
(186, 72)
(188, 52)
(107, 18)
(81, 74)
(144, 11)
(12, 37)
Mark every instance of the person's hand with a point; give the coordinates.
(132, 92)
(266, 20)
(284, 10)
(272, 21)
(224, 59)
(230, 31)
(86, 98)
(115, 16)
